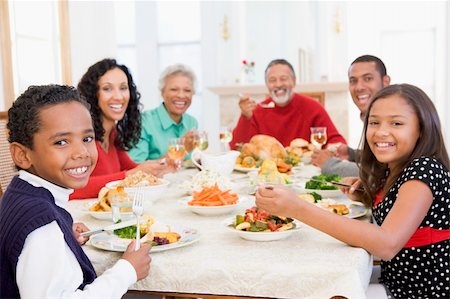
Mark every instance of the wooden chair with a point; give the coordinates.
(7, 167)
(319, 96)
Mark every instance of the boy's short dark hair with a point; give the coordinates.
(23, 116)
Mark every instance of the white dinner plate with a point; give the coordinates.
(245, 169)
(261, 236)
(102, 215)
(111, 242)
(300, 188)
(325, 193)
(213, 210)
(356, 209)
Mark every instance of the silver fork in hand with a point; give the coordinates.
(138, 210)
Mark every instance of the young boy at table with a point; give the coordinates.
(406, 180)
(52, 143)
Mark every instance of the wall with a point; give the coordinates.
(92, 34)
(412, 41)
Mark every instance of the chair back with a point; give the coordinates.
(316, 95)
(7, 167)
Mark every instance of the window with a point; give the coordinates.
(125, 20)
(179, 40)
(37, 26)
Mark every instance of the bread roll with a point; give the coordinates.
(299, 142)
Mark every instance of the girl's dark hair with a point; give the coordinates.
(129, 127)
(373, 174)
(23, 116)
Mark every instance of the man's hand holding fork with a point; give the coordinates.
(247, 105)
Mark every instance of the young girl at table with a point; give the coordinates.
(109, 89)
(405, 174)
(52, 143)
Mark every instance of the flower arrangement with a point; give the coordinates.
(248, 66)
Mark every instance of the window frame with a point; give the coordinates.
(6, 52)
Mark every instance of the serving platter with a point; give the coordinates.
(245, 169)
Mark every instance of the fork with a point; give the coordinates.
(138, 210)
(259, 102)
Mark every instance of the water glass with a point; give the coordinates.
(121, 207)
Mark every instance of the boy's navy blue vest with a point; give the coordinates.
(23, 209)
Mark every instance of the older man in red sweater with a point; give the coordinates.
(285, 115)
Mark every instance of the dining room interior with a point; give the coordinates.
(318, 38)
(228, 45)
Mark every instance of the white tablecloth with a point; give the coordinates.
(309, 264)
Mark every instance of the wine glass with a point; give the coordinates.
(318, 136)
(201, 140)
(225, 136)
(176, 151)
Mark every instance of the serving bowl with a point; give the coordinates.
(151, 193)
(212, 210)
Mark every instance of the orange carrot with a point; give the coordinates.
(213, 196)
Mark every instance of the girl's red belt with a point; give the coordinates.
(422, 236)
(426, 236)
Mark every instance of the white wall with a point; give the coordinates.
(411, 38)
(92, 34)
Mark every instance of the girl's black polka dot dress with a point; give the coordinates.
(421, 271)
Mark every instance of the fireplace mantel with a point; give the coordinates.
(337, 101)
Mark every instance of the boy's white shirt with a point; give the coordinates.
(47, 268)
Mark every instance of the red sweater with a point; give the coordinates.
(286, 123)
(111, 166)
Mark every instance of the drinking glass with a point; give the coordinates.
(201, 140)
(121, 204)
(225, 136)
(318, 136)
(177, 151)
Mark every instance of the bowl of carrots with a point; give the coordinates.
(212, 201)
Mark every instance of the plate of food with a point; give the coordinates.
(241, 168)
(258, 225)
(211, 201)
(343, 207)
(322, 184)
(100, 208)
(163, 237)
(152, 187)
(246, 163)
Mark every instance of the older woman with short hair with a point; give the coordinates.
(169, 120)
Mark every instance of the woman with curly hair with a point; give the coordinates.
(115, 108)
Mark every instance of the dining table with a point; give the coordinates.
(219, 263)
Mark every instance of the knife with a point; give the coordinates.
(336, 184)
(110, 228)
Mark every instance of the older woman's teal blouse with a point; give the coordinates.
(157, 129)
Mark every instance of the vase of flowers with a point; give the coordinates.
(247, 72)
